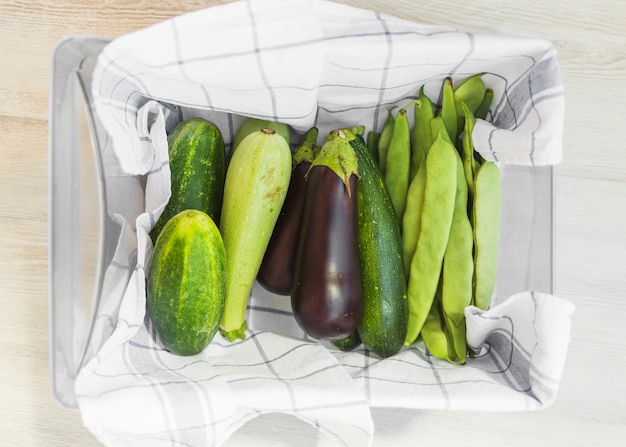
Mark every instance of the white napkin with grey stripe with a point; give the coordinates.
(306, 63)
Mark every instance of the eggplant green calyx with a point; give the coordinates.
(347, 133)
(338, 155)
(308, 150)
(357, 130)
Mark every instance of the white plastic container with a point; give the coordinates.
(87, 189)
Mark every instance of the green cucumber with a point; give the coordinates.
(385, 310)
(186, 282)
(198, 167)
(256, 184)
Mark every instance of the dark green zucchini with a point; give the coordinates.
(385, 309)
(348, 343)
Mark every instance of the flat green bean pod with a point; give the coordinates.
(458, 268)
(483, 109)
(385, 139)
(486, 210)
(438, 127)
(468, 148)
(471, 91)
(437, 211)
(422, 139)
(399, 163)
(435, 334)
(448, 109)
(411, 220)
(372, 144)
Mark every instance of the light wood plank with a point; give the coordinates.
(590, 212)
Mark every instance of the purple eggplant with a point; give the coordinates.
(327, 294)
(277, 269)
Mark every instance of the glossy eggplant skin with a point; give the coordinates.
(327, 295)
(277, 269)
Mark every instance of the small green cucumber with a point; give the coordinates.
(186, 282)
(198, 167)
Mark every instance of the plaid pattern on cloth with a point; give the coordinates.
(306, 63)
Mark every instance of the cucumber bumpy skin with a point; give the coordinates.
(186, 282)
(198, 167)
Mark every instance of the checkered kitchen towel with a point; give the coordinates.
(305, 63)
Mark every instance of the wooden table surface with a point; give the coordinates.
(590, 223)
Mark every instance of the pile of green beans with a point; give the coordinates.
(447, 199)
